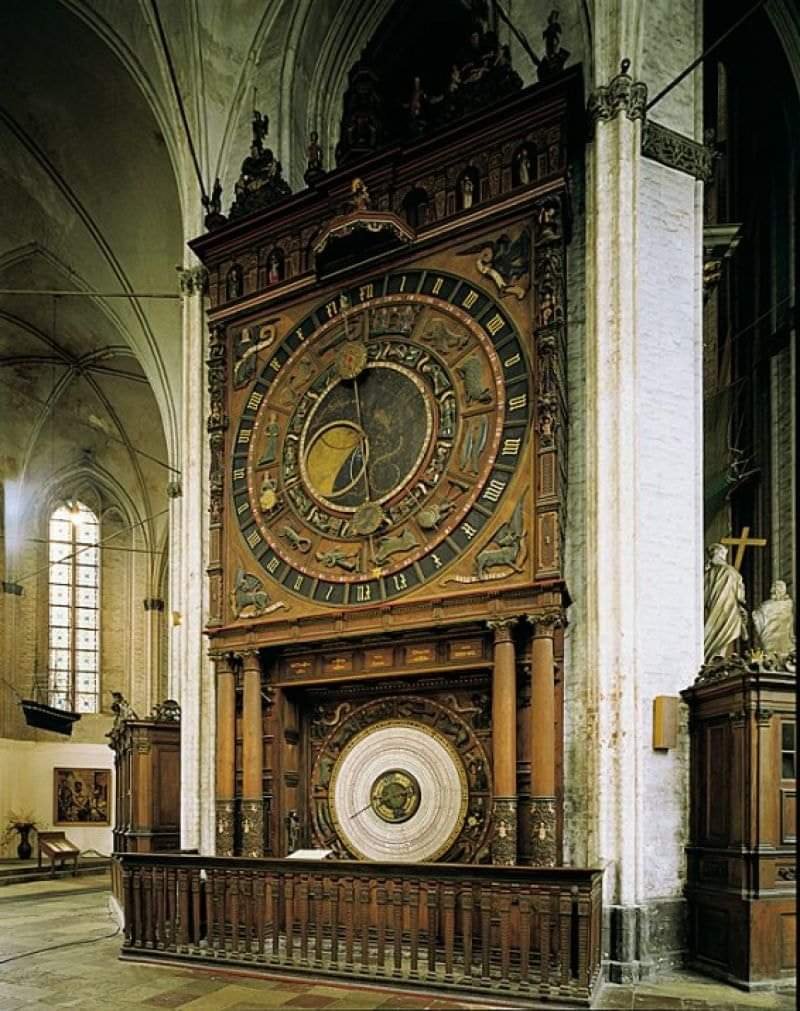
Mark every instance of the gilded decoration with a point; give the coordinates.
(226, 814)
(251, 813)
(543, 832)
(504, 831)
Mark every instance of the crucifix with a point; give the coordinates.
(742, 542)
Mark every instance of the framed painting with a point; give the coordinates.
(81, 796)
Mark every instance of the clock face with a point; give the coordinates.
(378, 437)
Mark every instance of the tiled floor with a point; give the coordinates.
(86, 974)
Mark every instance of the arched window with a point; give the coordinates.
(74, 616)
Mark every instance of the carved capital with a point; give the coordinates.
(546, 622)
(504, 831)
(174, 489)
(621, 94)
(252, 816)
(543, 832)
(502, 627)
(250, 660)
(192, 280)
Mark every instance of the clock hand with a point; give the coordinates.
(365, 442)
(363, 809)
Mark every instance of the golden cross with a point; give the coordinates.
(743, 542)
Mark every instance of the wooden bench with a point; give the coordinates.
(56, 846)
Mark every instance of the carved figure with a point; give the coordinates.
(393, 544)
(554, 56)
(297, 541)
(247, 350)
(506, 262)
(261, 180)
(249, 599)
(274, 268)
(442, 339)
(471, 372)
(467, 192)
(509, 540)
(473, 444)
(336, 558)
(234, 283)
(271, 432)
(773, 622)
(121, 709)
(725, 614)
(447, 415)
(293, 829)
(359, 195)
(314, 170)
(213, 206)
(524, 167)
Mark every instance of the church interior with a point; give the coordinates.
(404, 614)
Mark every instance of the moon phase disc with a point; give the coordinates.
(374, 788)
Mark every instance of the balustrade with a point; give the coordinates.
(525, 931)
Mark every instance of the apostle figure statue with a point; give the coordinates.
(725, 615)
(773, 622)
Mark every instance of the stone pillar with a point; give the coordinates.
(504, 742)
(190, 674)
(544, 852)
(252, 806)
(154, 611)
(226, 753)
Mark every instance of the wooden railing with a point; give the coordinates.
(516, 930)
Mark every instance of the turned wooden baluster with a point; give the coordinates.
(333, 893)
(276, 914)
(220, 909)
(147, 881)
(466, 931)
(486, 934)
(413, 899)
(172, 906)
(544, 939)
(183, 907)
(584, 912)
(246, 900)
(288, 905)
(302, 900)
(524, 939)
(565, 940)
(349, 912)
(433, 908)
(158, 902)
(397, 927)
(363, 896)
(381, 899)
(233, 905)
(318, 903)
(448, 928)
(505, 938)
(209, 910)
(194, 878)
(138, 925)
(260, 904)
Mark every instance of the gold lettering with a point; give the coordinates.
(495, 324)
(518, 402)
(253, 538)
(470, 299)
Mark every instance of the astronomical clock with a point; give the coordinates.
(387, 479)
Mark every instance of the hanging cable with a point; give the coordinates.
(706, 52)
(179, 99)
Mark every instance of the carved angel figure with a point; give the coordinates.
(507, 262)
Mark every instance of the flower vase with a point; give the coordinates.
(24, 849)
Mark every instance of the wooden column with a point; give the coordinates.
(504, 742)
(226, 752)
(543, 740)
(252, 808)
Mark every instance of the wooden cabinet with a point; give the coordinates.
(148, 775)
(741, 857)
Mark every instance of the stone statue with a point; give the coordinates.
(121, 709)
(292, 832)
(725, 615)
(773, 622)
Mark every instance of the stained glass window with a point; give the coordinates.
(74, 584)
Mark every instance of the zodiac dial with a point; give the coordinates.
(379, 437)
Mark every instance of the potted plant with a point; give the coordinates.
(22, 825)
